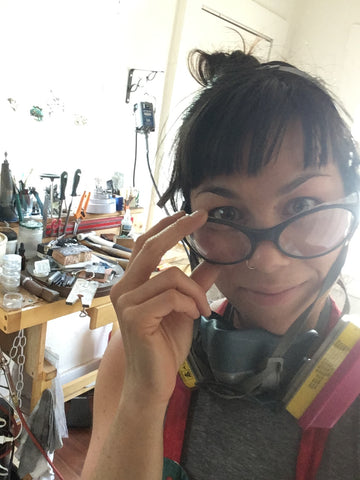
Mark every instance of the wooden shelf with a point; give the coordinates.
(41, 312)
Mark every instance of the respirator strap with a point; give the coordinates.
(270, 376)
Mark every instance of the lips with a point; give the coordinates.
(275, 296)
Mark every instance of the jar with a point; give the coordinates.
(30, 234)
(11, 270)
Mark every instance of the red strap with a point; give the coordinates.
(175, 421)
(313, 440)
(310, 453)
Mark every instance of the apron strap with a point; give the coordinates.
(311, 449)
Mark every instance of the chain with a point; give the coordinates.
(17, 355)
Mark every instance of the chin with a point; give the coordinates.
(274, 320)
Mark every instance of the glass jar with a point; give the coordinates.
(11, 270)
(30, 234)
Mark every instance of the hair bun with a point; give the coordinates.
(207, 67)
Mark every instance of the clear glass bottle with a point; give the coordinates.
(30, 234)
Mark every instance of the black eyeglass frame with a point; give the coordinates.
(272, 234)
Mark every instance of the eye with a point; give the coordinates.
(231, 214)
(299, 205)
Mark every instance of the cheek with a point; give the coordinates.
(321, 266)
(231, 277)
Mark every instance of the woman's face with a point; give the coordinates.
(278, 288)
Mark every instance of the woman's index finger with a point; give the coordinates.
(155, 247)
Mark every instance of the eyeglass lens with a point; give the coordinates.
(308, 236)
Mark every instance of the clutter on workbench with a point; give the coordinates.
(51, 191)
(11, 270)
(38, 289)
(21, 252)
(102, 202)
(126, 223)
(7, 209)
(11, 243)
(3, 243)
(12, 301)
(72, 254)
(119, 203)
(30, 234)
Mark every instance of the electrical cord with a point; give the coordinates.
(37, 444)
(135, 156)
(146, 133)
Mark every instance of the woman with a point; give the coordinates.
(265, 166)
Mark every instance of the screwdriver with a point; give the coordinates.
(73, 194)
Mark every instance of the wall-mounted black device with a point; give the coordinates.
(144, 115)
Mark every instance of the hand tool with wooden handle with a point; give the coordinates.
(37, 289)
(63, 182)
(76, 181)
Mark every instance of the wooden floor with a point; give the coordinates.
(70, 458)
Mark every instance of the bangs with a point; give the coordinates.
(225, 138)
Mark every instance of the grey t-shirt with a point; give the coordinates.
(242, 439)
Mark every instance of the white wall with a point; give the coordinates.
(81, 50)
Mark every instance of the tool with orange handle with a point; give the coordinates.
(81, 210)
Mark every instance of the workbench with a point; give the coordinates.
(33, 318)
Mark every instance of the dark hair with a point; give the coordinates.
(246, 106)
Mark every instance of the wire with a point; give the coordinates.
(37, 444)
(159, 195)
(146, 133)
(15, 401)
(135, 157)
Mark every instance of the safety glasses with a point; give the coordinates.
(309, 234)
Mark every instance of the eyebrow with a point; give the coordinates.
(216, 190)
(289, 187)
(283, 190)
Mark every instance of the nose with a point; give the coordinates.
(267, 258)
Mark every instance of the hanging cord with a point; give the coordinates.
(135, 157)
(14, 430)
(146, 133)
(15, 401)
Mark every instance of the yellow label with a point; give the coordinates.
(323, 370)
(187, 375)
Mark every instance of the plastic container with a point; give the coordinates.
(11, 270)
(12, 301)
(30, 234)
(3, 243)
(11, 239)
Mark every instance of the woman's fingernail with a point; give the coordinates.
(198, 213)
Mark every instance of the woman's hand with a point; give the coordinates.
(156, 314)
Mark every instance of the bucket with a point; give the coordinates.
(3, 242)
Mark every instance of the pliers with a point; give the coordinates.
(81, 210)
